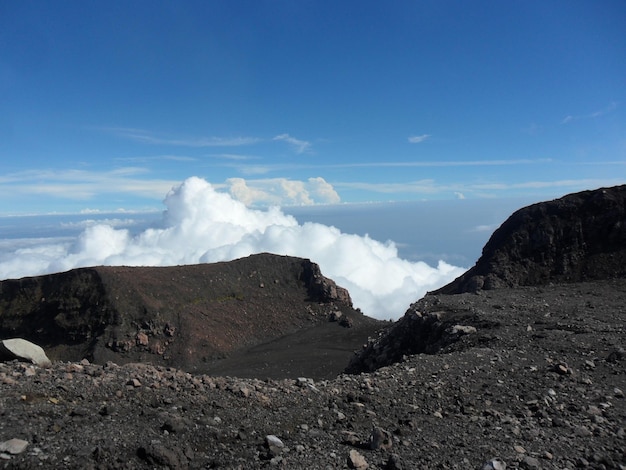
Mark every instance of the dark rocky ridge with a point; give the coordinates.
(189, 317)
(579, 237)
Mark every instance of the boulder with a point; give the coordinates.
(23, 350)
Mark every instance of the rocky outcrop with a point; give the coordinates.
(578, 237)
(183, 316)
(428, 327)
(321, 288)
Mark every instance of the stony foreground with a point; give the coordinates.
(542, 387)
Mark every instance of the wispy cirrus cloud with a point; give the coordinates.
(301, 146)
(431, 186)
(267, 168)
(484, 228)
(443, 163)
(416, 139)
(83, 185)
(233, 156)
(596, 114)
(426, 186)
(153, 158)
(569, 183)
(144, 136)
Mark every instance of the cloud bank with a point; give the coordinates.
(202, 225)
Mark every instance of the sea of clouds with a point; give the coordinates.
(202, 225)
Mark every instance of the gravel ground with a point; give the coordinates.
(542, 387)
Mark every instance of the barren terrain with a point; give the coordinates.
(519, 363)
(543, 387)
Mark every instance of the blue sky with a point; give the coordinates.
(107, 105)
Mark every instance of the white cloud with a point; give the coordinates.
(427, 186)
(282, 191)
(146, 159)
(323, 190)
(203, 225)
(83, 185)
(443, 163)
(484, 228)
(308, 165)
(123, 183)
(254, 169)
(572, 184)
(432, 187)
(596, 114)
(239, 190)
(416, 139)
(141, 135)
(233, 156)
(301, 146)
(92, 222)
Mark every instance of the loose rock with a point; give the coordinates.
(357, 461)
(14, 446)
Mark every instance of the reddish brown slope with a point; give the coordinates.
(182, 316)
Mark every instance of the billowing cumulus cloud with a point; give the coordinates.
(202, 225)
(282, 191)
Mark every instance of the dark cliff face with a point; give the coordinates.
(576, 238)
(70, 307)
(182, 316)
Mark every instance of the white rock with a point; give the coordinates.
(463, 330)
(23, 349)
(13, 446)
(274, 441)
